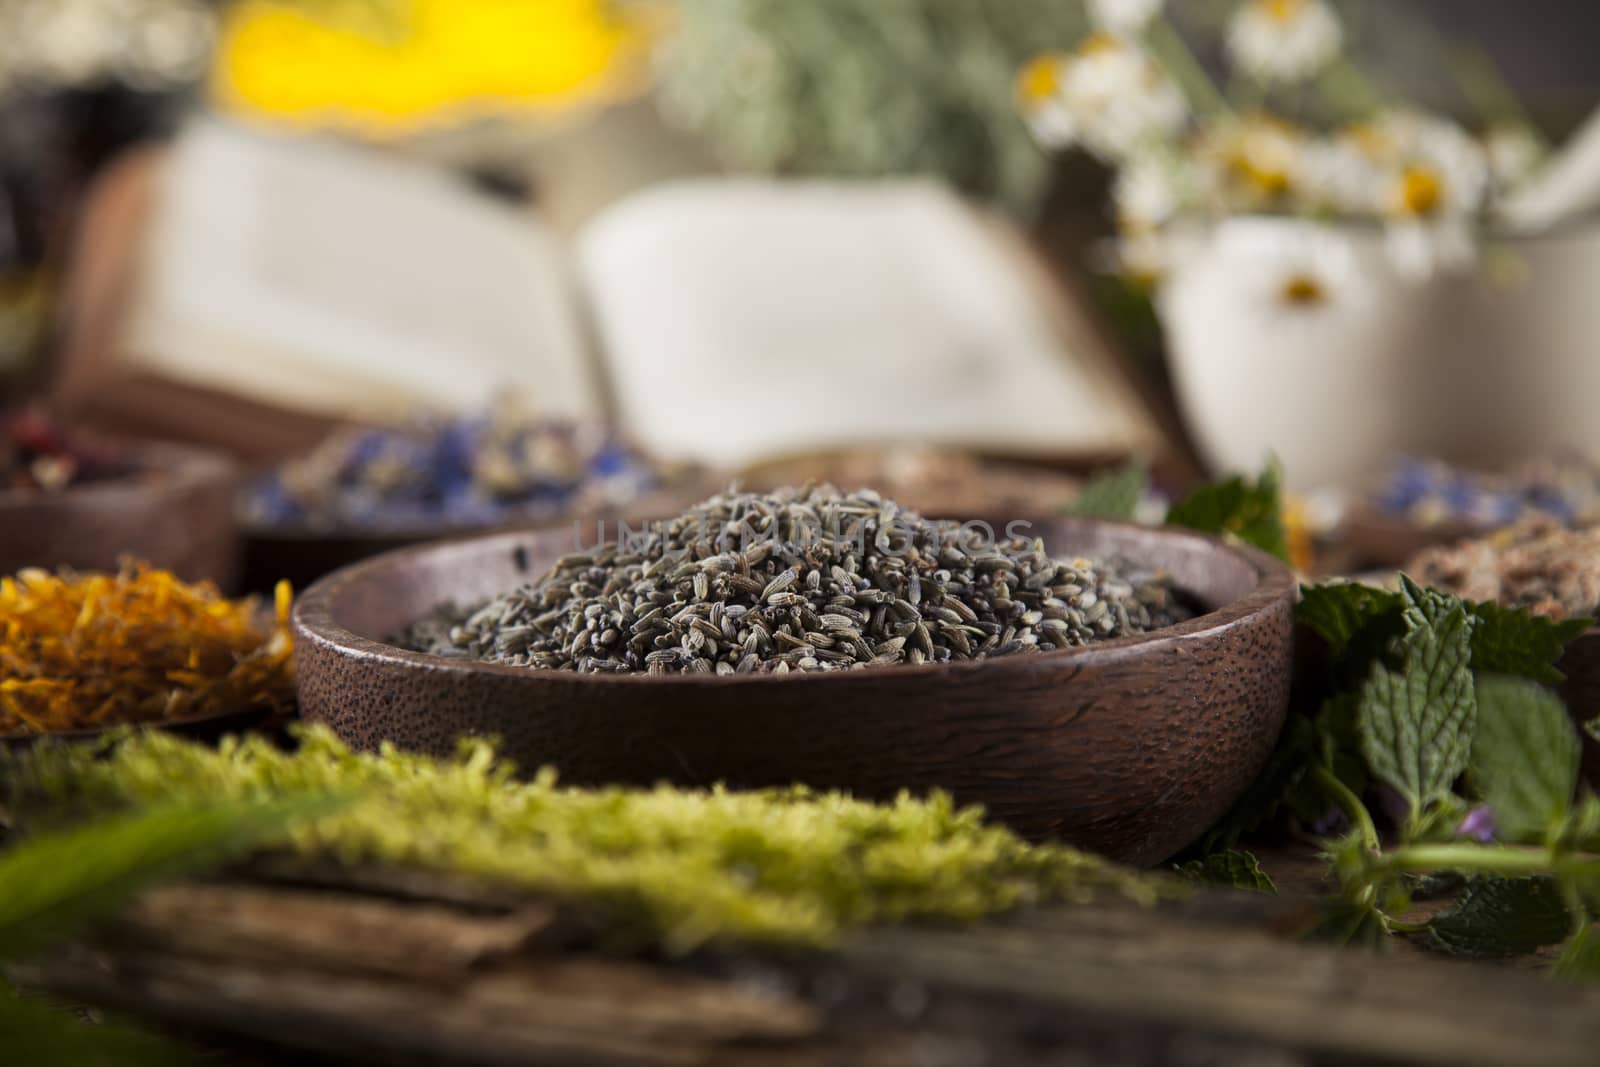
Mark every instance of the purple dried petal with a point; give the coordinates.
(1478, 825)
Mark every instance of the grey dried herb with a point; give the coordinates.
(803, 580)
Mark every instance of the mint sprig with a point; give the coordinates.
(1445, 703)
(1416, 723)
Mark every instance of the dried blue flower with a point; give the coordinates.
(477, 471)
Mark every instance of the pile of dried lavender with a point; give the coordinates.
(802, 580)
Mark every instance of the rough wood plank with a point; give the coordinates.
(328, 931)
(1201, 982)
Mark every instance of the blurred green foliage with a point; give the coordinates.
(859, 89)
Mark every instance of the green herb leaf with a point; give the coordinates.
(1495, 918)
(1580, 959)
(1234, 868)
(1238, 508)
(1416, 724)
(1348, 922)
(1525, 756)
(52, 884)
(1516, 641)
(41, 1035)
(1114, 494)
(1339, 612)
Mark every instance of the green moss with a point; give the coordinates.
(666, 866)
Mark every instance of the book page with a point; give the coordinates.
(742, 320)
(332, 279)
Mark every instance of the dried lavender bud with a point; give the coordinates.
(833, 582)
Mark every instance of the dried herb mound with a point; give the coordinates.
(1537, 564)
(86, 651)
(661, 867)
(807, 580)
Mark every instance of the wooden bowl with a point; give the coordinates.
(1372, 538)
(205, 728)
(175, 512)
(1131, 748)
(301, 553)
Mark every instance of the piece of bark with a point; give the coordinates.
(1200, 981)
(336, 933)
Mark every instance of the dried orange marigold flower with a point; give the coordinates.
(81, 652)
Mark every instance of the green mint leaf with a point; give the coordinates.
(1347, 922)
(1525, 755)
(1580, 959)
(1114, 494)
(1235, 868)
(1592, 728)
(1423, 606)
(1279, 780)
(1340, 612)
(1416, 723)
(1516, 641)
(1495, 918)
(1251, 512)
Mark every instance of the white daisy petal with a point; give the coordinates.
(1284, 40)
(1123, 16)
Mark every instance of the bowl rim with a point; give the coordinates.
(312, 622)
(159, 468)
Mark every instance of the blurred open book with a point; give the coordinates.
(723, 321)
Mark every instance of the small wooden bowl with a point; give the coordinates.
(205, 728)
(301, 553)
(1371, 538)
(175, 511)
(1131, 748)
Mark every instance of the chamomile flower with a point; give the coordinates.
(1108, 96)
(1039, 95)
(1119, 97)
(1148, 192)
(1284, 40)
(1123, 16)
(1257, 161)
(1436, 186)
(1337, 176)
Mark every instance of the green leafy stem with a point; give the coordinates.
(1442, 703)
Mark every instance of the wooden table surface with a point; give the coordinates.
(282, 961)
